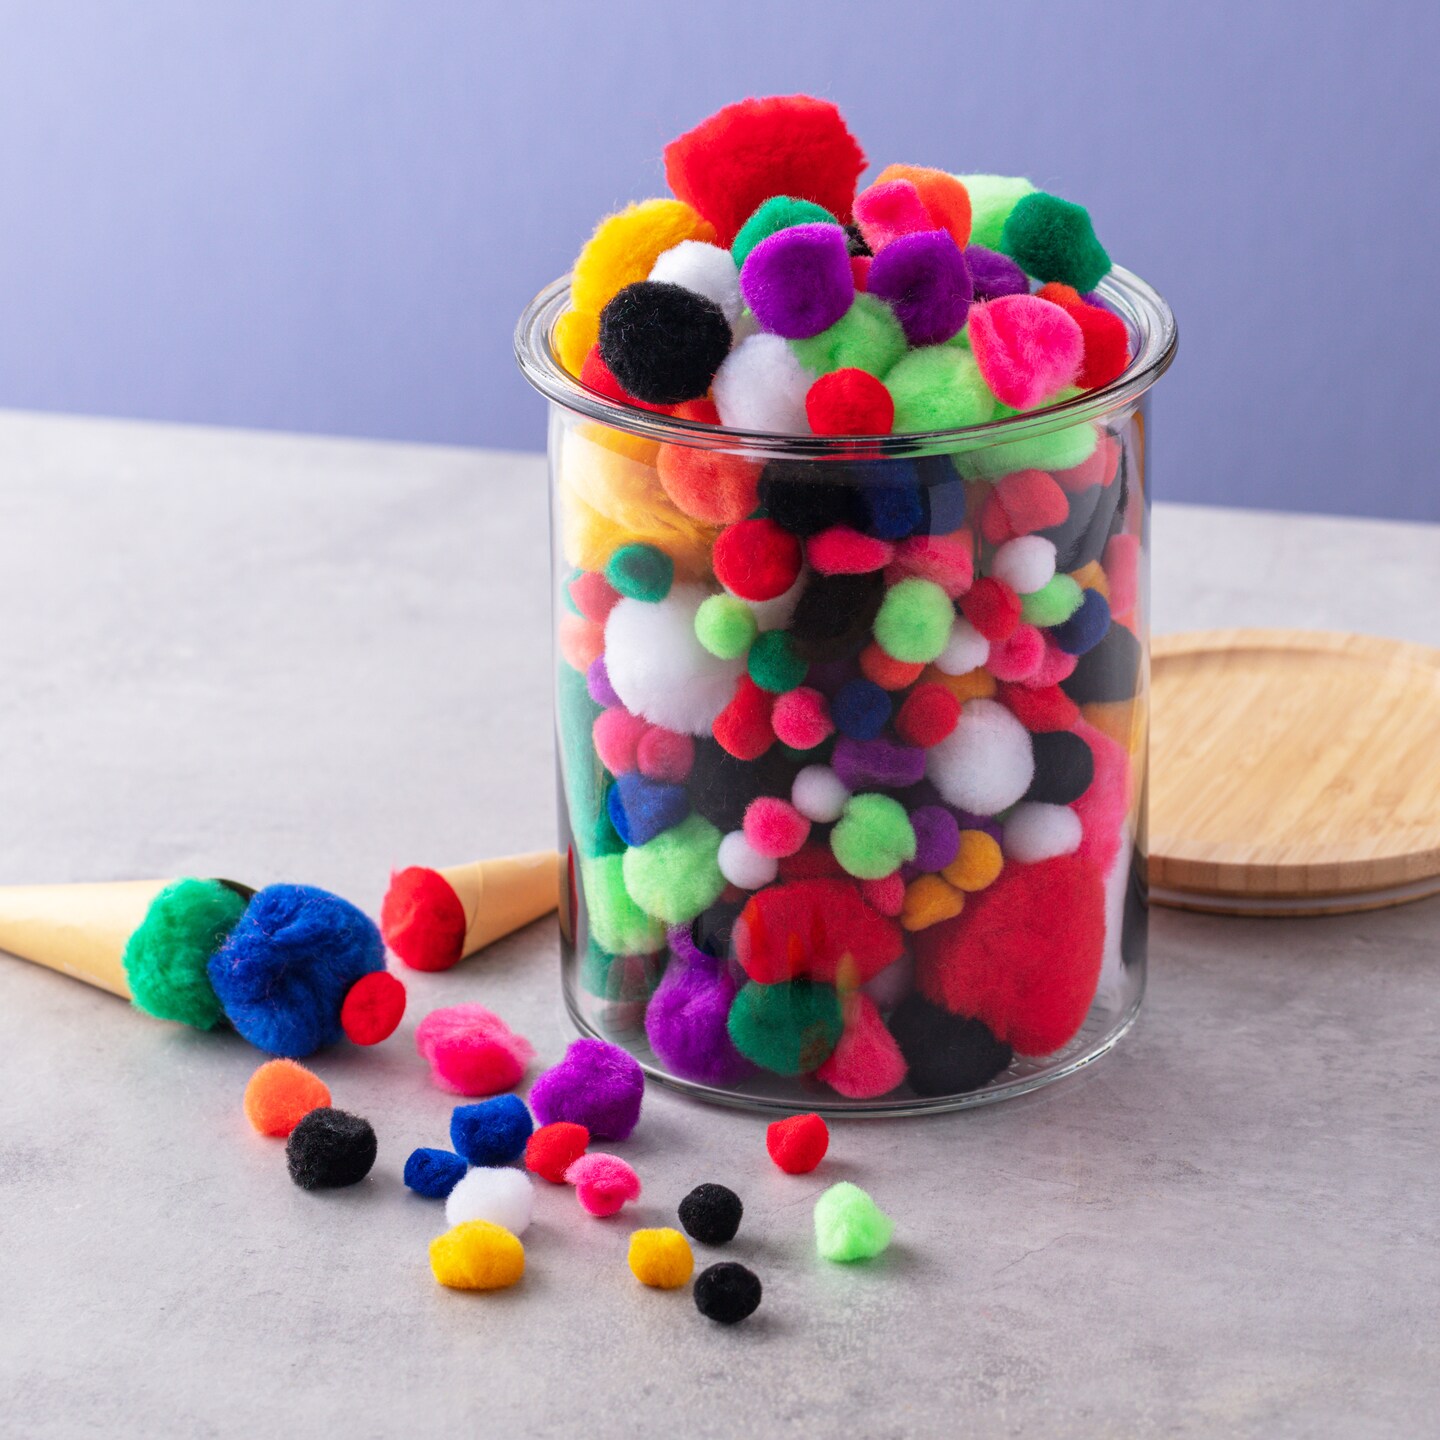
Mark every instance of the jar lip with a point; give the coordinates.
(1153, 334)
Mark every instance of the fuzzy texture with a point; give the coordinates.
(703, 269)
(663, 343)
(843, 551)
(849, 1225)
(373, 1008)
(873, 837)
(924, 279)
(685, 1023)
(869, 337)
(946, 200)
(801, 718)
(1028, 349)
(939, 387)
(789, 1028)
(914, 621)
(1054, 603)
(472, 1051)
(849, 402)
(798, 281)
(889, 209)
(929, 900)
(743, 865)
(880, 763)
(711, 1214)
(798, 1143)
(867, 1062)
(992, 198)
(820, 929)
(641, 572)
(502, 1196)
(596, 375)
(774, 827)
(743, 728)
(993, 274)
(616, 735)
(1020, 504)
(641, 808)
(993, 608)
(775, 664)
(965, 650)
(708, 485)
(477, 1256)
(861, 709)
(603, 1183)
(937, 836)
(597, 682)
(574, 336)
(929, 714)
(663, 755)
(1025, 564)
(624, 249)
(1053, 239)
(1035, 831)
(947, 1054)
(1020, 657)
(677, 874)
(433, 1173)
(1040, 708)
(727, 1292)
(330, 1148)
(986, 763)
(725, 626)
(778, 213)
(660, 1258)
(597, 1085)
(834, 613)
(1064, 768)
(554, 1148)
(280, 1094)
(1054, 450)
(1085, 627)
(762, 387)
(284, 970)
(1107, 339)
(819, 794)
(1108, 671)
(492, 1132)
(167, 956)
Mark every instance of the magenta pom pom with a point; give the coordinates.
(886, 212)
(472, 1051)
(603, 1183)
(1028, 349)
(597, 1085)
(774, 827)
(927, 284)
(798, 281)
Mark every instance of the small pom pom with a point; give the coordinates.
(642, 809)
(849, 402)
(861, 709)
(877, 765)
(992, 609)
(1021, 503)
(929, 714)
(593, 596)
(575, 335)
(1035, 832)
(946, 1054)
(775, 664)
(798, 1143)
(492, 1132)
(1026, 564)
(778, 213)
(704, 269)
(886, 671)
(617, 735)
(801, 718)
(711, 1214)
(993, 274)
(775, 828)
(843, 551)
(727, 1292)
(867, 337)
(603, 1183)
(1086, 626)
(708, 485)
(676, 875)
(472, 1051)
(1053, 239)
(889, 209)
(1053, 604)
(873, 836)
(1020, 657)
(372, 1009)
(641, 572)
(725, 626)
(554, 1148)
(937, 836)
(597, 1085)
(925, 280)
(280, 1094)
(422, 919)
(1043, 708)
(819, 794)
(1064, 768)
(743, 865)
(986, 763)
(756, 559)
(914, 621)
(502, 1196)
(743, 728)
(662, 343)
(1107, 341)
(992, 198)
(1027, 349)
(946, 559)
(977, 863)
(928, 901)
(685, 1019)
(330, 1148)
(660, 1258)
(762, 387)
(849, 1225)
(798, 282)
(434, 1173)
(477, 1256)
(596, 375)
(664, 755)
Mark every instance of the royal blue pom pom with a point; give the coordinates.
(493, 1132)
(641, 808)
(860, 709)
(434, 1173)
(1086, 628)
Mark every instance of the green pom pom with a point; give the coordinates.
(1061, 449)
(873, 837)
(914, 622)
(867, 337)
(677, 874)
(641, 572)
(617, 923)
(725, 625)
(992, 198)
(774, 663)
(165, 958)
(604, 837)
(1053, 239)
(582, 775)
(849, 1225)
(1053, 604)
(619, 977)
(778, 213)
(939, 387)
(789, 1028)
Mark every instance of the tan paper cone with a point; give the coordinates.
(503, 894)
(79, 930)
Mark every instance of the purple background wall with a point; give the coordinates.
(325, 215)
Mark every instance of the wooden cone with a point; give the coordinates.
(501, 895)
(79, 930)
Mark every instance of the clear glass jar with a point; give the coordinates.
(964, 918)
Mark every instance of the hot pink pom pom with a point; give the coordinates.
(1028, 349)
(867, 1062)
(886, 895)
(775, 828)
(617, 735)
(665, 755)
(1057, 665)
(801, 718)
(1019, 657)
(886, 212)
(603, 1183)
(1122, 571)
(472, 1051)
(948, 560)
(843, 551)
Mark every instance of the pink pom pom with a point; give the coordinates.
(886, 212)
(603, 1183)
(1104, 805)
(886, 895)
(594, 595)
(1020, 504)
(1100, 469)
(948, 560)
(775, 828)
(617, 735)
(867, 1062)
(1122, 571)
(1018, 658)
(801, 718)
(1056, 666)
(472, 1051)
(664, 755)
(1027, 349)
(843, 551)
(581, 641)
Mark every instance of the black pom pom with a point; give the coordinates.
(1064, 767)
(727, 1292)
(711, 929)
(330, 1148)
(835, 614)
(947, 1054)
(806, 499)
(720, 786)
(663, 343)
(711, 1214)
(855, 242)
(891, 505)
(1111, 671)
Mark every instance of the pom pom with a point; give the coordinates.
(873, 836)
(798, 1143)
(939, 387)
(664, 755)
(711, 1214)
(1107, 341)
(946, 201)
(725, 626)
(849, 402)
(685, 1022)
(993, 274)
(166, 956)
(867, 337)
(762, 387)
(986, 763)
(662, 343)
(849, 1225)
(1021, 503)
(641, 809)
(819, 794)
(641, 572)
(929, 714)
(889, 209)
(863, 764)
(1053, 239)
(574, 336)
(775, 664)
(373, 1008)
(433, 1173)
(946, 1054)
(1086, 626)
(593, 596)
(603, 1183)
(937, 836)
(861, 709)
(330, 1148)
(1040, 708)
(992, 198)
(818, 928)
(992, 608)
(472, 1051)
(914, 621)
(743, 728)
(704, 269)
(501, 1196)
(928, 901)
(280, 1094)
(775, 828)
(801, 719)
(887, 896)
(778, 213)
(1020, 657)
(1054, 603)
(977, 862)
(789, 1028)
(708, 485)
(743, 865)
(805, 499)
(926, 282)
(660, 1258)
(597, 1085)
(617, 923)
(945, 559)
(676, 875)
(596, 375)
(867, 1062)
(791, 145)
(1027, 349)
(1110, 671)
(616, 735)
(843, 551)
(834, 612)
(798, 282)
(1026, 564)
(727, 1292)
(1035, 832)
(554, 1148)
(477, 1256)
(624, 248)
(1064, 768)
(492, 1132)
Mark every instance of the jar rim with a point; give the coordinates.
(1153, 333)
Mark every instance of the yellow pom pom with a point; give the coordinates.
(973, 685)
(625, 247)
(928, 901)
(477, 1256)
(661, 1258)
(978, 863)
(1092, 577)
(576, 331)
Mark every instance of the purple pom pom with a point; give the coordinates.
(993, 275)
(798, 281)
(685, 1021)
(597, 682)
(927, 284)
(877, 764)
(937, 837)
(597, 1085)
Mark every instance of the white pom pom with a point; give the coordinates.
(501, 1196)
(819, 794)
(986, 763)
(706, 269)
(660, 670)
(966, 650)
(761, 386)
(741, 864)
(776, 614)
(892, 984)
(1040, 832)
(1025, 565)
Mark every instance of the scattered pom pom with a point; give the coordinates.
(947, 1054)
(775, 828)
(849, 1225)
(1054, 603)
(993, 274)
(1053, 239)
(789, 1028)
(711, 1214)
(945, 559)
(603, 1183)
(1035, 832)
(849, 402)
(798, 1143)
(477, 1256)
(662, 343)
(1109, 671)
(887, 896)
(330, 1148)
(472, 1051)
(889, 209)
(866, 1063)
(709, 485)
(986, 763)
(819, 794)
(937, 836)
(554, 1148)
(925, 280)
(434, 1173)
(660, 1258)
(1027, 349)
(704, 269)
(492, 1132)
(798, 281)
(727, 1292)
(597, 1085)
(745, 866)
(280, 1094)
(502, 1196)
(762, 387)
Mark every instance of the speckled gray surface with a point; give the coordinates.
(273, 657)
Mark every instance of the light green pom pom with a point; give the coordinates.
(166, 957)
(873, 837)
(992, 198)
(1053, 604)
(867, 337)
(778, 213)
(725, 625)
(617, 923)
(1061, 449)
(939, 387)
(790, 1028)
(641, 572)
(849, 1225)
(914, 622)
(677, 874)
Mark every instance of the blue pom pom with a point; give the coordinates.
(860, 709)
(943, 494)
(493, 1132)
(1086, 628)
(890, 500)
(641, 808)
(283, 972)
(434, 1173)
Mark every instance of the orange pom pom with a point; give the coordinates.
(281, 1094)
(945, 198)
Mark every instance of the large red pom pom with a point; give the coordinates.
(820, 929)
(756, 559)
(849, 402)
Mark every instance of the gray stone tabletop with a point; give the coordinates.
(282, 658)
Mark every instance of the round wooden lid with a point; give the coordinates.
(1293, 772)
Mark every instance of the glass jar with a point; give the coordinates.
(862, 828)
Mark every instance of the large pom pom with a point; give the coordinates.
(1027, 349)
(1053, 239)
(663, 343)
(798, 281)
(927, 284)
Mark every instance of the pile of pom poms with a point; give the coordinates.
(325, 1148)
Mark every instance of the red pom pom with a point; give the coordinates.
(1100, 469)
(596, 374)
(887, 895)
(728, 165)
(373, 1007)
(797, 1144)
(422, 919)
(743, 727)
(708, 485)
(849, 402)
(929, 714)
(702, 411)
(843, 551)
(948, 560)
(992, 607)
(554, 1148)
(594, 596)
(822, 929)
(1023, 502)
(815, 861)
(1041, 709)
(756, 559)
(860, 271)
(1107, 341)
(665, 755)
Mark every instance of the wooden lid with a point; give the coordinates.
(1293, 772)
